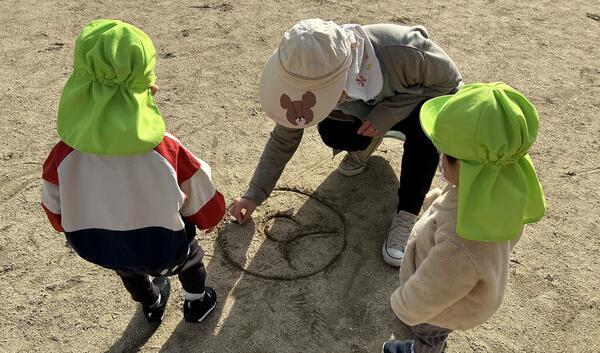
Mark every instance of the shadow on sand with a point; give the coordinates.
(305, 275)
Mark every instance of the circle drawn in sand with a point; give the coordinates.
(296, 235)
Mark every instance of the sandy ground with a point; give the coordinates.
(327, 289)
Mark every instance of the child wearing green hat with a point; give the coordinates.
(127, 194)
(454, 272)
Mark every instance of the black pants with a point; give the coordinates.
(191, 272)
(419, 161)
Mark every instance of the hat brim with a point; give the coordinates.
(428, 116)
(275, 83)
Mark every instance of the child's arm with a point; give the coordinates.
(50, 185)
(204, 206)
(279, 149)
(421, 64)
(443, 278)
(51, 204)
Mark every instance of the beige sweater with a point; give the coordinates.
(445, 280)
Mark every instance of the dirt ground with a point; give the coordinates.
(327, 289)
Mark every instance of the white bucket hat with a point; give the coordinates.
(303, 79)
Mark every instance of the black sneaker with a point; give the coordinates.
(395, 346)
(198, 310)
(157, 313)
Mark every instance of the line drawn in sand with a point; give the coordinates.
(296, 234)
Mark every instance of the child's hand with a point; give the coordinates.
(241, 209)
(367, 129)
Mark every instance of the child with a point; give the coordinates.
(354, 83)
(126, 193)
(454, 273)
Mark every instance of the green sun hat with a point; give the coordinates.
(106, 106)
(489, 128)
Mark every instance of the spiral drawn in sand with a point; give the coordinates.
(295, 235)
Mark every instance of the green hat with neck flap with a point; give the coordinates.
(489, 128)
(107, 106)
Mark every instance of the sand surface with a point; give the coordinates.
(307, 275)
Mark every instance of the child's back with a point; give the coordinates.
(127, 194)
(125, 212)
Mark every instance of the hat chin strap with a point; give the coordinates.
(442, 172)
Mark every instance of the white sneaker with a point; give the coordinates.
(355, 162)
(394, 245)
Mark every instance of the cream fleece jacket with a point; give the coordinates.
(445, 280)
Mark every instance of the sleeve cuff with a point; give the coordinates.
(397, 309)
(253, 195)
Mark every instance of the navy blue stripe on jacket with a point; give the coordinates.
(147, 250)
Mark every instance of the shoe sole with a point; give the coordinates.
(392, 261)
(203, 316)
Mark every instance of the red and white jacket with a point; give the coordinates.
(130, 212)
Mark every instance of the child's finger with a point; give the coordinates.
(236, 213)
(239, 216)
(247, 216)
(376, 133)
(363, 127)
(368, 132)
